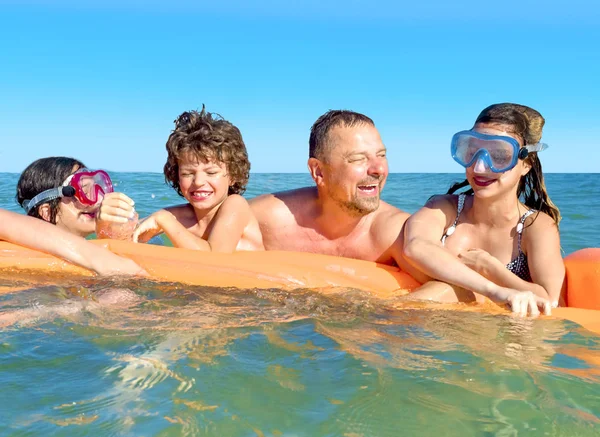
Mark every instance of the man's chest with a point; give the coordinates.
(295, 238)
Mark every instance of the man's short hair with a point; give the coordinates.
(318, 143)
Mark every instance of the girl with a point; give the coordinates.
(62, 192)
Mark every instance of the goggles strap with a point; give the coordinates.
(46, 196)
(537, 147)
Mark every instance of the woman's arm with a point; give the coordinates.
(40, 235)
(423, 249)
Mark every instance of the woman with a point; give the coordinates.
(500, 239)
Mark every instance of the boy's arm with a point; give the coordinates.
(226, 231)
(229, 223)
(167, 222)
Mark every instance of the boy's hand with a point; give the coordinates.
(148, 228)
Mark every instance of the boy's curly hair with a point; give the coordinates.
(207, 136)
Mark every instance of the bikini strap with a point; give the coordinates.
(521, 226)
(452, 228)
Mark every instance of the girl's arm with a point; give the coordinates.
(423, 249)
(40, 235)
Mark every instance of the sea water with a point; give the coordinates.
(176, 360)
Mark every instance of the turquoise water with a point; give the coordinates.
(170, 360)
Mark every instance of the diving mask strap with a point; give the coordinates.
(48, 195)
(537, 147)
(529, 148)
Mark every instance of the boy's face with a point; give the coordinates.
(203, 184)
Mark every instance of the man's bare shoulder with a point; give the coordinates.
(282, 203)
(389, 215)
(296, 195)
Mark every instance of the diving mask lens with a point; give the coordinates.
(500, 153)
(91, 186)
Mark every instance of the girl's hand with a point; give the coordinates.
(117, 208)
(148, 228)
(116, 219)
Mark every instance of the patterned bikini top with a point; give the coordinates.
(518, 265)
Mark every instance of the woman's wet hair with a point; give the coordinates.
(45, 174)
(527, 123)
(207, 136)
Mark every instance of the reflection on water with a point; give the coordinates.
(140, 358)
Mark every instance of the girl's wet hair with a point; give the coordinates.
(207, 136)
(45, 174)
(527, 123)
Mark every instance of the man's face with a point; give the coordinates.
(355, 168)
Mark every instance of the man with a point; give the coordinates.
(343, 215)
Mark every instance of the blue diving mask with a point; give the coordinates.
(499, 153)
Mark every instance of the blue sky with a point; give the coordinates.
(103, 81)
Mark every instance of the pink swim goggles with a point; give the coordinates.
(87, 186)
(90, 186)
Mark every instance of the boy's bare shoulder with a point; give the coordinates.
(183, 211)
(235, 204)
(236, 200)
